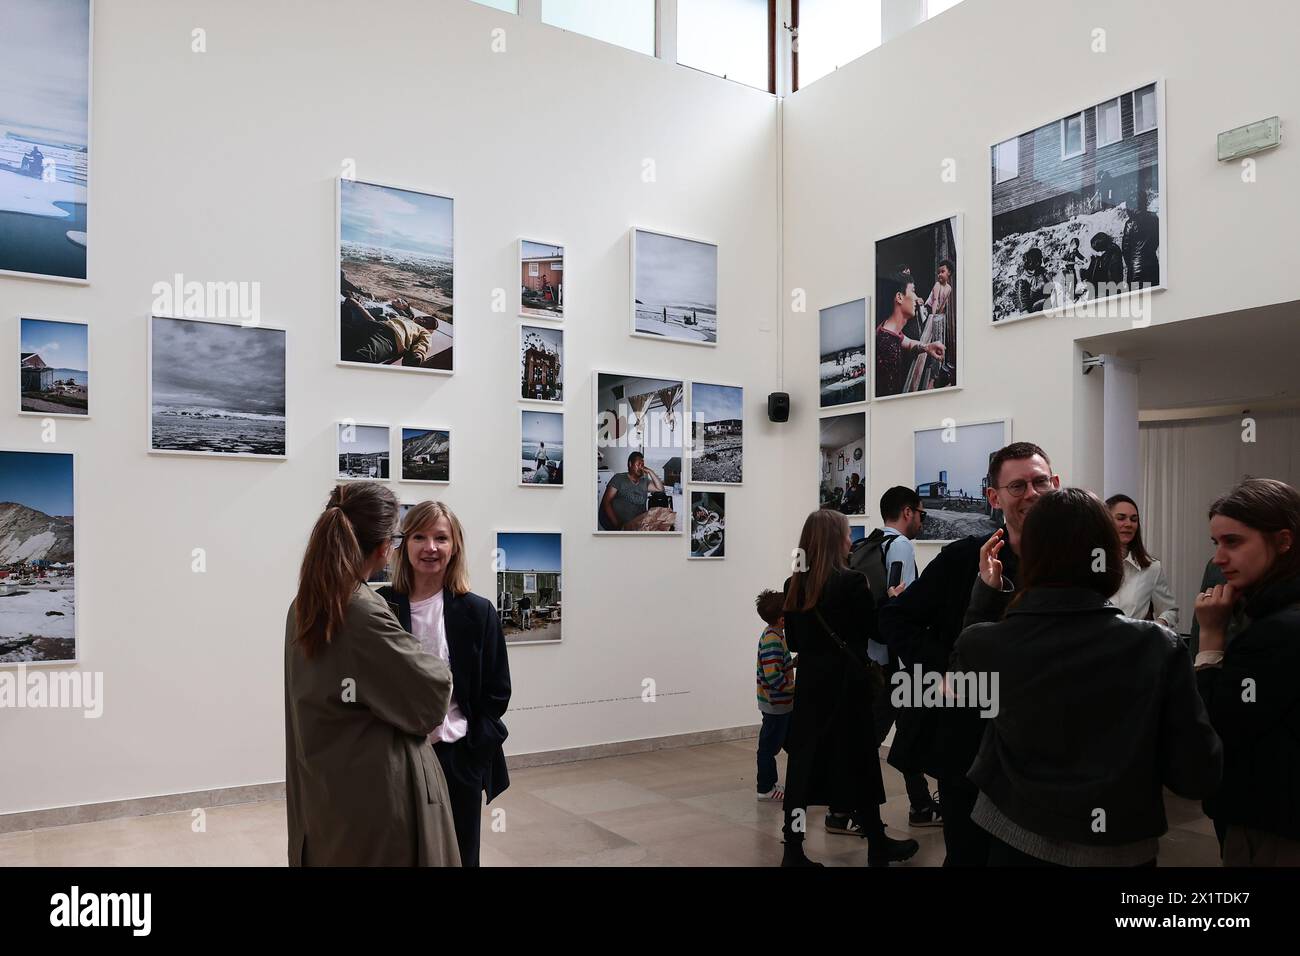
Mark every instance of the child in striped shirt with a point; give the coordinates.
(775, 692)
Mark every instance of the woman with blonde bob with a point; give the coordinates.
(360, 699)
(431, 598)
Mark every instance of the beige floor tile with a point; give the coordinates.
(587, 798)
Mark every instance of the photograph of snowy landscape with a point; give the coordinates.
(674, 288)
(216, 388)
(395, 282)
(38, 603)
(952, 476)
(426, 454)
(541, 453)
(53, 367)
(843, 351)
(1078, 207)
(717, 440)
(44, 137)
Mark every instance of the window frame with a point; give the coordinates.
(1155, 98)
(998, 178)
(1083, 134)
(1096, 112)
(771, 51)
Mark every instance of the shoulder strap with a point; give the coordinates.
(868, 665)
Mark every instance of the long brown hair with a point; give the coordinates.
(1058, 545)
(1135, 547)
(1268, 506)
(821, 548)
(357, 519)
(423, 517)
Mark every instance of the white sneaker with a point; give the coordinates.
(777, 793)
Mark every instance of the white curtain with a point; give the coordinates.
(1185, 466)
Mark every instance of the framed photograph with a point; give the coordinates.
(640, 423)
(843, 468)
(708, 525)
(45, 47)
(1079, 209)
(541, 448)
(541, 363)
(717, 452)
(674, 288)
(843, 350)
(541, 280)
(529, 571)
(38, 585)
(918, 310)
(951, 474)
(216, 388)
(363, 452)
(426, 455)
(53, 368)
(396, 267)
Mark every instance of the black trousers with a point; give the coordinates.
(966, 842)
(465, 791)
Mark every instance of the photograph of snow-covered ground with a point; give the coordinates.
(674, 287)
(396, 282)
(843, 368)
(37, 558)
(951, 478)
(718, 441)
(44, 136)
(216, 388)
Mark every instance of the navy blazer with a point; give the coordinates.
(480, 675)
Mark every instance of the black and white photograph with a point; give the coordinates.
(708, 524)
(396, 267)
(426, 455)
(951, 479)
(45, 138)
(53, 368)
(363, 451)
(917, 309)
(216, 388)
(842, 369)
(541, 363)
(717, 440)
(529, 572)
(843, 463)
(38, 584)
(541, 452)
(1078, 207)
(541, 280)
(674, 288)
(640, 445)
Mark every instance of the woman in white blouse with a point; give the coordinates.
(1145, 593)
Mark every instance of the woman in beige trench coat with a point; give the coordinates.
(363, 787)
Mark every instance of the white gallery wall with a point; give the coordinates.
(865, 152)
(221, 166)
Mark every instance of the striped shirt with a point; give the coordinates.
(775, 673)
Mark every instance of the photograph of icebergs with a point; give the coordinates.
(674, 288)
(541, 363)
(541, 453)
(640, 425)
(951, 475)
(44, 137)
(843, 350)
(216, 388)
(1078, 207)
(363, 451)
(38, 594)
(395, 278)
(717, 436)
(541, 280)
(917, 301)
(529, 576)
(708, 524)
(426, 455)
(53, 367)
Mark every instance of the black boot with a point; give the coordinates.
(794, 855)
(883, 849)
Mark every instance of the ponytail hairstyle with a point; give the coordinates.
(357, 519)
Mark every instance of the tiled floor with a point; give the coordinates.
(689, 807)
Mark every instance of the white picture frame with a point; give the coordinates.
(401, 455)
(691, 452)
(561, 289)
(28, 317)
(702, 551)
(638, 285)
(502, 550)
(1001, 442)
(678, 491)
(826, 314)
(547, 413)
(339, 451)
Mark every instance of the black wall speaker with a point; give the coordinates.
(778, 406)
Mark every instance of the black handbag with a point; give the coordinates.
(875, 673)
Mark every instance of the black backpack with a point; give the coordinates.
(870, 557)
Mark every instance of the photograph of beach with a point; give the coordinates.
(216, 388)
(843, 350)
(717, 446)
(426, 454)
(395, 282)
(674, 288)
(541, 280)
(363, 451)
(44, 137)
(528, 586)
(53, 367)
(38, 599)
(542, 448)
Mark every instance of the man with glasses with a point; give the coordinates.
(923, 622)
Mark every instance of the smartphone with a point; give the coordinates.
(895, 574)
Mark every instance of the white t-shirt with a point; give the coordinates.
(431, 631)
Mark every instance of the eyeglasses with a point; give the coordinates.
(1042, 484)
(398, 539)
